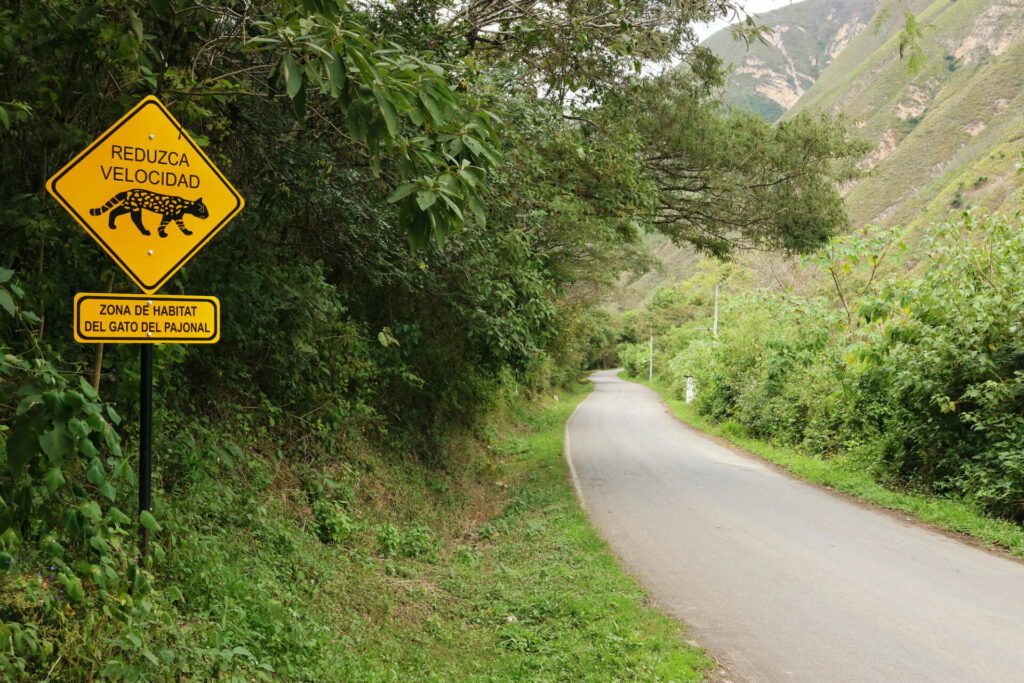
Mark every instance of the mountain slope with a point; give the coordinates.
(946, 137)
(805, 38)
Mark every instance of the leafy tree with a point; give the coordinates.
(353, 131)
(731, 181)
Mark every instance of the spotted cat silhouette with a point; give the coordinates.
(169, 207)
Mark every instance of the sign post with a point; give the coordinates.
(145, 440)
(151, 198)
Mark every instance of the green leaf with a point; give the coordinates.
(431, 108)
(78, 428)
(136, 23)
(292, 75)
(473, 144)
(54, 479)
(6, 120)
(97, 542)
(73, 587)
(440, 229)
(388, 111)
(113, 441)
(477, 207)
(336, 75)
(95, 472)
(6, 301)
(113, 669)
(114, 417)
(5, 275)
(147, 520)
(425, 199)
(490, 153)
(87, 389)
(72, 401)
(118, 517)
(107, 491)
(52, 547)
(91, 511)
(56, 444)
(299, 104)
(366, 67)
(357, 118)
(87, 448)
(401, 192)
(139, 583)
(94, 419)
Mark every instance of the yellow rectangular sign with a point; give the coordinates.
(144, 318)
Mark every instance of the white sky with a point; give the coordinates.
(753, 7)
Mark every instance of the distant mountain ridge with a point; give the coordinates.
(947, 137)
(805, 37)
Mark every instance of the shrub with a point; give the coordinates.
(925, 383)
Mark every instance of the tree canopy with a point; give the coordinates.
(438, 195)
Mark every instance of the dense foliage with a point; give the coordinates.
(920, 380)
(436, 198)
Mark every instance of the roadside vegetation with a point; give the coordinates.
(906, 390)
(436, 203)
(367, 568)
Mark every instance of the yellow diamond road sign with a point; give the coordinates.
(147, 193)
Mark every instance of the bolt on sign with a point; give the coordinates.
(147, 193)
(146, 319)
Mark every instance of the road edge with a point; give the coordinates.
(567, 451)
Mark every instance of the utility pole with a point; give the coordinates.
(650, 361)
(714, 330)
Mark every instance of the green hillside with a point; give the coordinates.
(948, 136)
(674, 264)
(806, 37)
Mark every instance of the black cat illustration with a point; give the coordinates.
(170, 209)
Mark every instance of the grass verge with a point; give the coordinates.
(537, 596)
(845, 474)
(284, 561)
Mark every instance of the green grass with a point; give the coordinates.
(540, 593)
(369, 566)
(846, 475)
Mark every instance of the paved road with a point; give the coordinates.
(781, 580)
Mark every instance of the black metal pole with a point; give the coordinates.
(145, 439)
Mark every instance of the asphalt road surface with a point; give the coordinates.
(781, 580)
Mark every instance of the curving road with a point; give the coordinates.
(778, 579)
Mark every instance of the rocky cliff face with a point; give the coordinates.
(805, 38)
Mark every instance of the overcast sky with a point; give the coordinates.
(751, 6)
